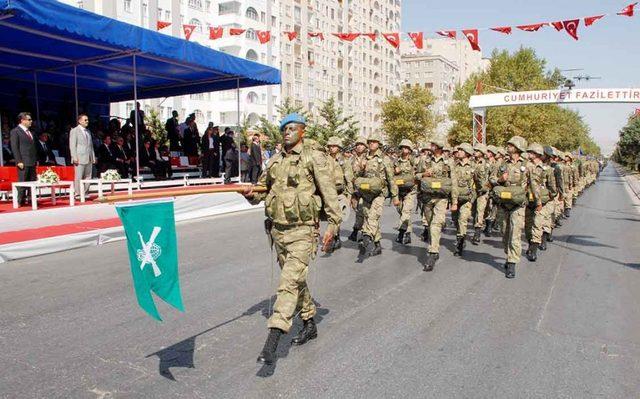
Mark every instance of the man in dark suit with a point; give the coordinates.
(121, 159)
(140, 115)
(255, 159)
(172, 132)
(43, 149)
(148, 157)
(106, 159)
(191, 139)
(24, 151)
(210, 147)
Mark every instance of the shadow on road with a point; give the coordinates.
(635, 266)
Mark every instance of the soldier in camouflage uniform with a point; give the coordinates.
(558, 166)
(299, 184)
(492, 209)
(435, 205)
(425, 156)
(465, 194)
(551, 159)
(357, 164)
(482, 186)
(512, 173)
(571, 183)
(542, 193)
(376, 167)
(343, 176)
(405, 170)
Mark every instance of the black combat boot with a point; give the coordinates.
(558, 221)
(366, 247)
(400, 236)
(406, 239)
(268, 354)
(567, 213)
(308, 332)
(488, 226)
(543, 243)
(459, 246)
(354, 235)
(550, 236)
(510, 270)
(337, 243)
(425, 234)
(475, 240)
(377, 249)
(532, 252)
(430, 262)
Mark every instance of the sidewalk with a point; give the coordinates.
(632, 178)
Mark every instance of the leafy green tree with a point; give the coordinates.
(629, 142)
(156, 127)
(408, 115)
(548, 124)
(331, 122)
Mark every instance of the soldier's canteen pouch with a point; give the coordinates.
(509, 195)
(437, 187)
(369, 187)
(405, 181)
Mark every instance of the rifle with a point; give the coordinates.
(177, 193)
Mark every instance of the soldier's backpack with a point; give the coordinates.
(436, 186)
(405, 181)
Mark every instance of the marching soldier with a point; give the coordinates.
(492, 208)
(542, 192)
(357, 165)
(462, 198)
(511, 185)
(405, 170)
(569, 179)
(481, 180)
(343, 176)
(373, 183)
(552, 157)
(297, 180)
(437, 186)
(425, 156)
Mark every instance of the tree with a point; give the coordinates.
(332, 123)
(629, 142)
(156, 127)
(547, 124)
(408, 115)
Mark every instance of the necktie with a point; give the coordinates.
(29, 134)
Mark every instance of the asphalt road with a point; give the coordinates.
(567, 327)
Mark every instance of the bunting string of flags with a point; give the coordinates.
(570, 26)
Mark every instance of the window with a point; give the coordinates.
(296, 14)
(127, 5)
(230, 7)
(129, 109)
(209, 115)
(251, 13)
(251, 54)
(159, 13)
(252, 98)
(197, 4)
(144, 10)
(199, 116)
(196, 22)
(207, 8)
(251, 35)
(167, 15)
(262, 16)
(197, 96)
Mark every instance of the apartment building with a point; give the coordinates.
(219, 107)
(359, 74)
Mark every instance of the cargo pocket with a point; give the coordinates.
(306, 207)
(290, 206)
(269, 206)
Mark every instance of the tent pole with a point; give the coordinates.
(1, 152)
(239, 132)
(135, 112)
(35, 82)
(75, 88)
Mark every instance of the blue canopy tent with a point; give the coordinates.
(54, 52)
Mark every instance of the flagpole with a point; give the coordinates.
(236, 188)
(135, 112)
(35, 82)
(239, 133)
(75, 88)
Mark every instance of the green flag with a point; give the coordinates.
(153, 253)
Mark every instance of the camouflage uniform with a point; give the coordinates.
(343, 177)
(405, 169)
(464, 195)
(425, 157)
(357, 166)
(481, 181)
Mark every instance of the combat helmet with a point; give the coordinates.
(480, 147)
(493, 149)
(440, 142)
(519, 142)
(549, 151)
(406, 143)
(375, 137)
(334, 140)
(536, 149)
(466, 147)
(361, 140)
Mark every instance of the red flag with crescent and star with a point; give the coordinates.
(472, 36)
(236, 31)
(373, 36)
(531, 28)
(502, 29)
(291, 35)
(215, 32)
(347, 37)
(628, 10)
(319, 35)
(188, 30)
(451, 34)
(162, 25)
(263, 36)
(558, 25)
(393, 39)
(571, 26)
(588, 21)
(418, 39)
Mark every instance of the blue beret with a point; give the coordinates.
(292, 118)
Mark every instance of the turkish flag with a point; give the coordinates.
(588, 21)
(503, 29)
(571, 26)
(418, 39)
(637, 112)
(628, 10)
(162, 25)
(392, 38)
(263, 36)
(215, 32)
(472, 36)
(188, 30)
(447, 33)
(557, 25)
(347, 37)
(291, 35)
(530, 28)
(236, 31)
(372, 36)
(319, 35)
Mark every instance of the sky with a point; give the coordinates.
(610, 48)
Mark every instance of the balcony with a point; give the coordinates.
(229, 7)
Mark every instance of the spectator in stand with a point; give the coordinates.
(255, 159)
(7, 154)
(148, 157)
(43, 149)
(82, 154)
(231, 162)
(140, 115)
(171, 126)
(24, 151)
(244, 163)
(106, 158)
(183, 127)
(63, 144)
(130, 150)
(190, 139)
(163, 164)
(226, 139)
(122, 162)
(210, 147)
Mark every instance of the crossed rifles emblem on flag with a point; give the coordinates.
(150, 251)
